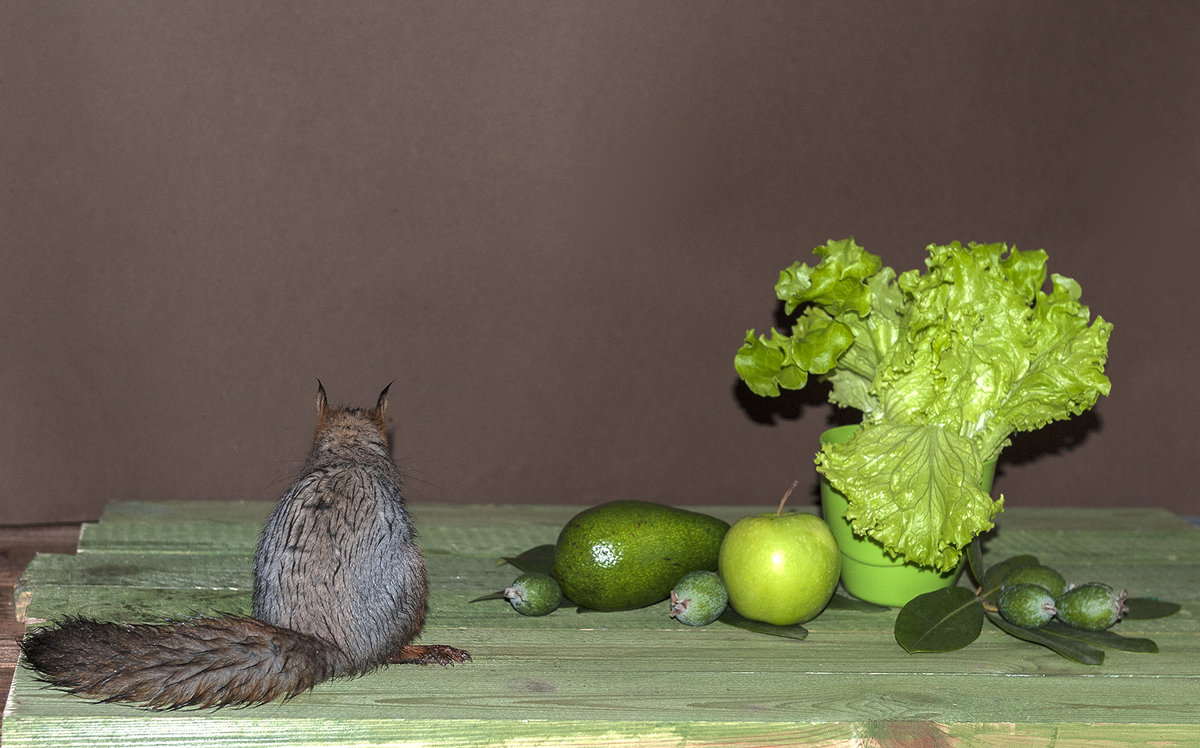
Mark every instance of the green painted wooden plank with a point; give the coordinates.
(203, 526)
(165, 512)
(1114, 519)
(130, 605)
(1146, 565)
(256, 512)
(450, 607)
(469, 733)
(588, 704)
(474, 532)
(1089, 546)
(1081, 548)
(125, 584)
(119, 733)
(1014, 517)
(140, 570)
(619, 679)
(635, 676)
(200, 536)
(171, 586)
(454, 583)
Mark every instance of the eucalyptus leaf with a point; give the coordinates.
(940, 621)
(1069, 647)
(993, 578)
(1143, 608)
(1107, 639)
(535, 560)
(731, 617)
(975, 561)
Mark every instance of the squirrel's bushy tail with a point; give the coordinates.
(200, 662)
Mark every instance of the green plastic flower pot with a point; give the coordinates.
(868, 572)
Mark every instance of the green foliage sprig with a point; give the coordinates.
(953, 618)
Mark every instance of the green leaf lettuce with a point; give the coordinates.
(944, 365)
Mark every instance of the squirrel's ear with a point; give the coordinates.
(381, 408)
(322, 402)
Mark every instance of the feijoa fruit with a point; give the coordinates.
(1043, 575)
(698, 598)
(534, 594)
(1026, 604)
(1093, 606)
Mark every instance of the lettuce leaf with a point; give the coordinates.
(835, 284)
(944, 364)
(765, 366)
(852, 319)
(915, 488)
(1066, 376)
(874, 336)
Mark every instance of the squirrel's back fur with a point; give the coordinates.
(339, 589)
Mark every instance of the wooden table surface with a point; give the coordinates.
(18, 545)
(634, 677)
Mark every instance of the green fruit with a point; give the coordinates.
(1026, 604)
(534, 594)
(1093, 606)
(780, 568)
(628, 554)
(699, 598)
(1043, 575)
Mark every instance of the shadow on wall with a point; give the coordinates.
(790, 404)
(1053, 438)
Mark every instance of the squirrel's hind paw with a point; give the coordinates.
(429, 654)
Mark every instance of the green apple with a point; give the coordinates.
(780, 568)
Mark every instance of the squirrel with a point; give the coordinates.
(339, 590)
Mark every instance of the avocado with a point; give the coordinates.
(628, 554)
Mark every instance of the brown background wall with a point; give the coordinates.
(551, 224)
